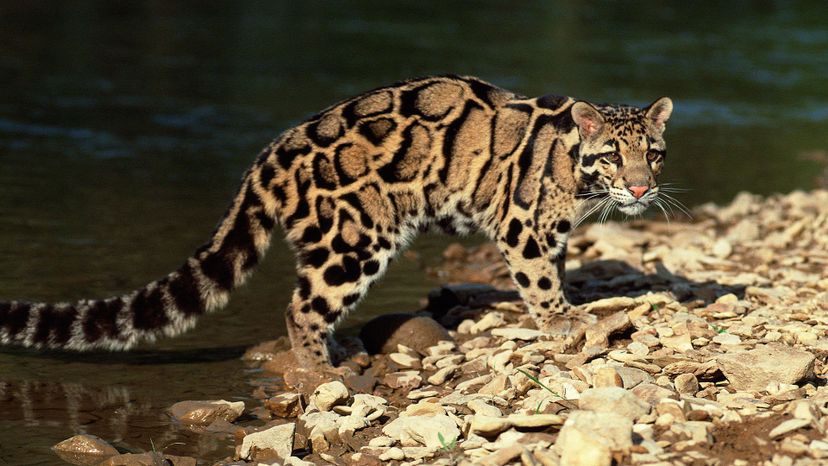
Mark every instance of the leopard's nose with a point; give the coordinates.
(638, 191)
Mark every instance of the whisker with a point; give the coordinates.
(678, 204)
(658, 203)
(606, 211)
(590, 212)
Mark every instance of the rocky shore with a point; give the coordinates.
(698, 342)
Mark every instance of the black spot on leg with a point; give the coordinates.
(314, 327)
(331, 317)
(320, 305)
(564, 226)
(304, 288)
(514, 232)
(522, 279)
(348, 271)
(352, 269)
(544, 283)
(311, 234)
(370, 267)
(545, 304)
(531, 249)
(316, 257)
(334, 275)
(350, 299)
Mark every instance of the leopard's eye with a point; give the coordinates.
(614, 158)
(653, 157)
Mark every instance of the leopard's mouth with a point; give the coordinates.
(633, 208)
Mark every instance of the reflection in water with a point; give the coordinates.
(125, 127)
(109, 412)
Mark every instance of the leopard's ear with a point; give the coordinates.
(588, 118)
(659, 112)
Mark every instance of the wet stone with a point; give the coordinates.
(203, 413)
(84, 450)
(284, 405)
(147, 459)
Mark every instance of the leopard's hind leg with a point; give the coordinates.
(325, 295)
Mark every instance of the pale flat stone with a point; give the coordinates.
(440, 377)
(404, 360)
(278, 439)
(788, 426)
(525, 334)
(613, 400)
(753, 370)
(422, 430)
(589, 438)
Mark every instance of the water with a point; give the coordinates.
(125, 127)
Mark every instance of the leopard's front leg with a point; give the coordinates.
(536, 256)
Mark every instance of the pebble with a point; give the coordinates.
(328, 395)
(525, 334)
(687, 384)
(404, 360)
(440, 377)
(284, 405)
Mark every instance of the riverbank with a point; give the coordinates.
(704, 342)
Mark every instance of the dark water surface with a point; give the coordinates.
(125, 127)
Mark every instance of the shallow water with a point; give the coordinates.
(125, 127)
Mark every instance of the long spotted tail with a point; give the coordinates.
(165, 307)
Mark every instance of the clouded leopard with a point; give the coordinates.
(353, 184)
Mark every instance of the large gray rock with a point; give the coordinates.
(753, 370)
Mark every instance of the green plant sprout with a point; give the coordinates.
(446, 446)
(537, 381)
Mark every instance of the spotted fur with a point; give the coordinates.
(354, 184)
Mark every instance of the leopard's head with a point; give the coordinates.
(621, 152)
